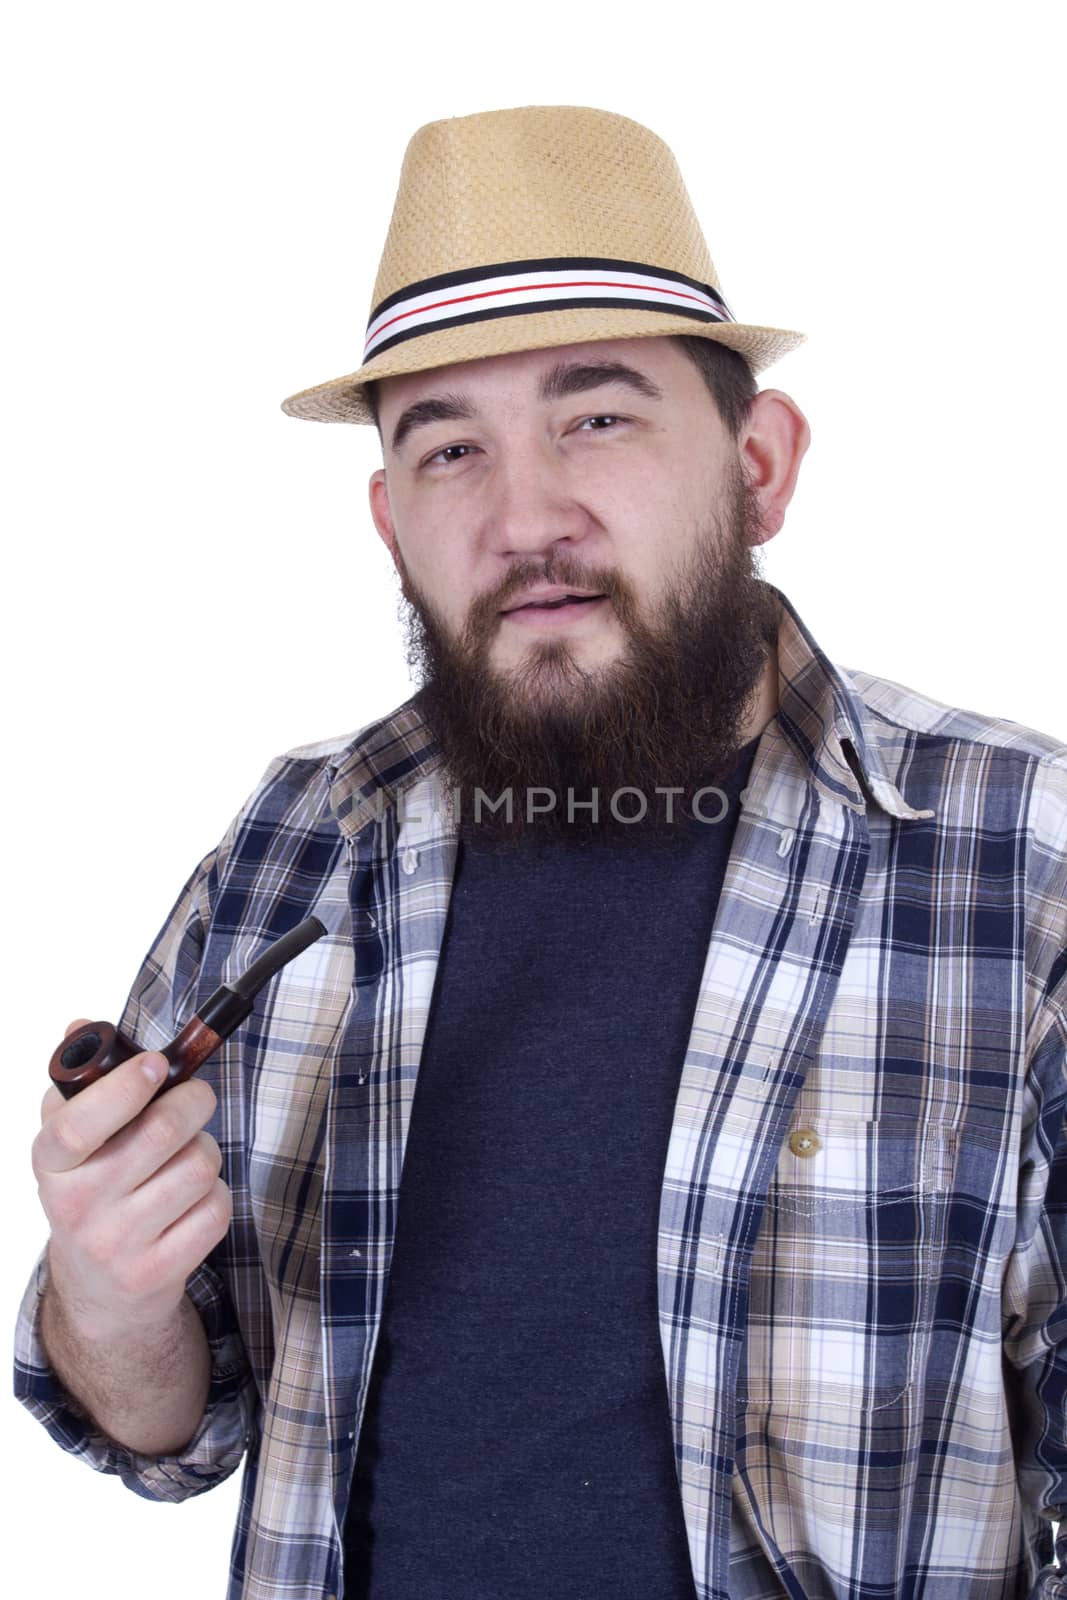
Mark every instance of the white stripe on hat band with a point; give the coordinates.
(502, 292)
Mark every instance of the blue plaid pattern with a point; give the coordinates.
(862, 1268)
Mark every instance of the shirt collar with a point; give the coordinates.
(820, 714)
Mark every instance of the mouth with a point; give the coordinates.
(561, 609)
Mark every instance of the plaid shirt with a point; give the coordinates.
(863, 1217)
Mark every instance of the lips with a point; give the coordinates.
(554, 605)
(554, 613)
(552, 600)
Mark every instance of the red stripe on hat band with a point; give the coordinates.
(643, 290)
(527, 288)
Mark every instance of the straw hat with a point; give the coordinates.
(533, 227)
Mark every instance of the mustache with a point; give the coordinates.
(483, 613)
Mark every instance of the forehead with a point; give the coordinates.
(520, 371)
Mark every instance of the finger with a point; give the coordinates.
(142, 1149)
(52, 1102)
(79, 1022)
(191, 1239)
(181, 1183)
(87, 1121)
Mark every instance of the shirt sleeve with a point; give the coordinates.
(164, 988)
(1035, 1313)
(226, 1427)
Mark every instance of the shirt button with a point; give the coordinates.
(409, 861)
(804, 1142)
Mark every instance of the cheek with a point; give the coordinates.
(640, 573)
(438, 582)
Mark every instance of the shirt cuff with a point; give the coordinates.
(226, 1429)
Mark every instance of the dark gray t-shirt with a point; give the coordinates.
(517, 1436)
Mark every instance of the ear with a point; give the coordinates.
(772, 446)
(378, 490)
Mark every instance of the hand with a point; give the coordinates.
(132, 1192)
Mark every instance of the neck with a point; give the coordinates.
(765, 704)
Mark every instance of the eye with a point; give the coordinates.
(444, 451)
(606, 417)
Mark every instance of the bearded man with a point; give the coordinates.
(654, 1182)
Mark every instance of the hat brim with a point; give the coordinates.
(344, 399)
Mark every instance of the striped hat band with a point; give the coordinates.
(516, 288)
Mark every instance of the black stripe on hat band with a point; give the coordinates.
(504, 269)
(615, 303)
(538, 287)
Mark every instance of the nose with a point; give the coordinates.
(531, 505)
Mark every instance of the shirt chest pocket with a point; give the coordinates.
(845, 1266)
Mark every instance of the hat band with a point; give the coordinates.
(516, 288)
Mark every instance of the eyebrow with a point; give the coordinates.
(567, 378)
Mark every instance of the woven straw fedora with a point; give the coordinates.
(533, 227)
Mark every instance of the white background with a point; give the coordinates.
(195, 198)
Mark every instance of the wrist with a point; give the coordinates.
(91, 1322)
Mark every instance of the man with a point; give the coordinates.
(721, 1250)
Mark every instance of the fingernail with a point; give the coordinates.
(154, 1066)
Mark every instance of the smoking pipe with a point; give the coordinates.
(93, 1050)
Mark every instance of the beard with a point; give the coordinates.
(668, 713)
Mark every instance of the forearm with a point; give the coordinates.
(145, 1389)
